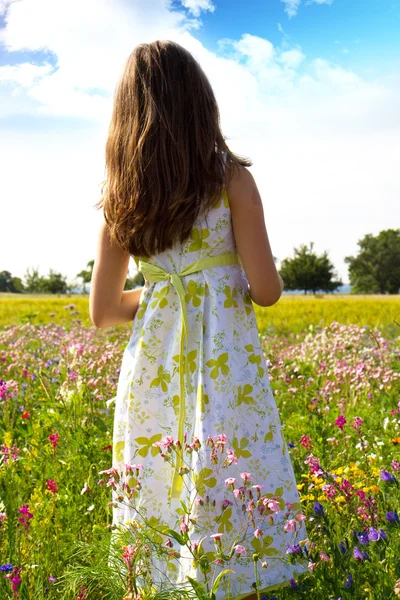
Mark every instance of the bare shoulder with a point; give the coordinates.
(242, 188)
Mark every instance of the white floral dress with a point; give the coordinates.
(226, 391)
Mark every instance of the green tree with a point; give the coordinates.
(133, 282)
(86, 275)
(55, 283)
(18, 285)
(34, 282)
(309, 272)
(6, 282)
(376, 268)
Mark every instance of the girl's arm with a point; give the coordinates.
(109, 304)
(265, 283)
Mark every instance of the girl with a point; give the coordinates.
(188, 210)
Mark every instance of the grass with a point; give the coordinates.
(56, 381)
(292, 313)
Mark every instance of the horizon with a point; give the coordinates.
(308, 89)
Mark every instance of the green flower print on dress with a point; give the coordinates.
(191, 358)
(254, 359)
(198, 236)
(162, 380)
(230, 297)
(118, 449)
(240, 447)
(203, 480)
(202, 399)
(217, 364)
(147, 444)
(248, 305)
(224, 521)
(243, 394)
(160, 298)
(194, 292)
(262, 546)
(141, 310)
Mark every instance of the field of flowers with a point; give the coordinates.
(334, 369)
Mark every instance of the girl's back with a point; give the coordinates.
(194, 385)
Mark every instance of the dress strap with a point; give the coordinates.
(155, 274)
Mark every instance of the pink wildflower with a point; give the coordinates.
(329, 490)
(51, 486)
(53, 439)
(340, 422)
(258, 533)
(305, 441)
(245, 476)
(301, 517)
(82, 594)
(220, 440)
(230, 481)
(184, 527)
(26, 516)
(272, 504)
(15, 580)
(231, 457)
(290, 525)
(129, 554)
(357, 423)
(324, 557)
(240, 550)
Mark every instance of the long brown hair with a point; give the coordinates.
(164, 151)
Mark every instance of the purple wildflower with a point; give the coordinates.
(392, 516)
(349, 581)
(373, 535)
(319, 509)
(7, 567)
(342, 548)
(363, 537)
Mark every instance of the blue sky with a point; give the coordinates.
(309, 89)
(368, 29)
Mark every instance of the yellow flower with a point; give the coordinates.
(374, 488)
(340, 499)
(300, 486)
(7, 438)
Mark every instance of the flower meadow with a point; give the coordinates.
(337, 387)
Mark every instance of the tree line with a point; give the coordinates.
(375, 270)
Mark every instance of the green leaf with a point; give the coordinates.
(198, 588)
(218, 580)
(176, 536)
(100, 424)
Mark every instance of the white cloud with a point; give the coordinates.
(24, 74)
(292, 6)
(322, 138)
(196, 6)
(292, 58)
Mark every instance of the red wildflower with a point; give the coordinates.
(53, 439)
(51, 486)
